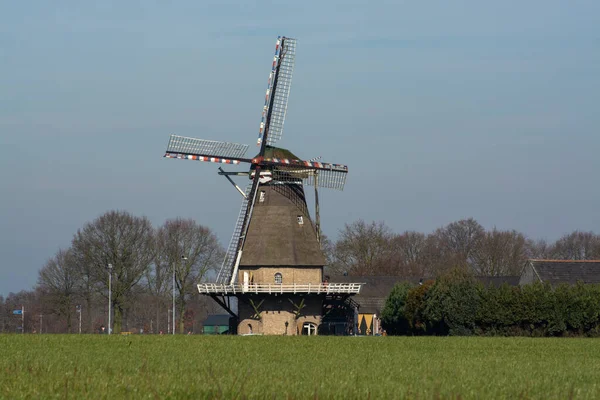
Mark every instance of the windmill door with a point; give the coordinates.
(246, 280)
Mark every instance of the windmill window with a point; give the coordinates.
(261, 199)
(309, 329)
(300, 220)
(278, 278)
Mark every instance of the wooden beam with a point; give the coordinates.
(222, 304)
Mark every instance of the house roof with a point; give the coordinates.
(567, 271)
(373, 294)
(217, 319)
(498, 281)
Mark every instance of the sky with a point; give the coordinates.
(442, 110)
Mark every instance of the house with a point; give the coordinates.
(216, 324)
(371, 299)
(556, 272)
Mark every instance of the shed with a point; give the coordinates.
(217, 324)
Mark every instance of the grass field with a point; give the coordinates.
(193, 367)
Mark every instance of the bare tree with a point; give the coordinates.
(410, 250)
(460, 238)
(539, 249)
(59, 278)
(363, 249)
(500, 253)
(124, 241)
(577, 246)
(191, 250)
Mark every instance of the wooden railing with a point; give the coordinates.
(305, 288)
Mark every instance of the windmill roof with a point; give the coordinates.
(278, 152)
(275, 237)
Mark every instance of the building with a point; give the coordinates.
(556, 272)
(217, 324)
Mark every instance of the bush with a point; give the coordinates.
(456, 304)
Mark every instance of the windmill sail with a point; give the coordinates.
(230, 264)
(282, 91)
(278, 91)
(331, 179)
(225, 273)
(181, 145)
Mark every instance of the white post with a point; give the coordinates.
(109, 296)
(173, 300)
(41, 315)
(22, 318)
(79, 308)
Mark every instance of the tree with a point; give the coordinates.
(500, 253)
(191, 250)
(124, 241)
(410, 254)
(393, 315)
(363, 249)
(577, 246)
(460, 239)
(59, 278)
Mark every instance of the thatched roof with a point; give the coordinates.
(275, 237)
(278, 152)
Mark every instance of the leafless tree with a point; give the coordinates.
(539, 249)
(124, 241)
(577, 246)
(191, 250)
(460, 239)
(59, 278)
(363, 249)
(410, 250)
(500, 253)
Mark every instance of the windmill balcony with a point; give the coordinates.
(308, 288)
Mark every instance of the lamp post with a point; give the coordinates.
(173, 312)
(110, 267)
(79, 311)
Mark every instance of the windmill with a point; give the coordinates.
(277, 178)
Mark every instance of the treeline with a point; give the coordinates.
(458, 304)
(137, 261)
(74, 282)
(374, 249)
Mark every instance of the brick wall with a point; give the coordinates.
(275, 311)
(290, 275)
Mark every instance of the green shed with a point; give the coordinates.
(216, 324)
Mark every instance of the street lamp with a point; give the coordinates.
(110, 267)
(173, 312)
(78, 308)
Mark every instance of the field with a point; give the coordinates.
(193, 367)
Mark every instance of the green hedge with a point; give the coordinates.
(457, 304)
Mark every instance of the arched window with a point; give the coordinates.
(309, 329)
(278, 278)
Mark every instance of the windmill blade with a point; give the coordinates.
(224, 275)
(228, 271)
(324, 178)
(308, 165)
(205, 148)
(278, 91)
(282, 91)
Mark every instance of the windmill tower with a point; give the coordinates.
(274, 263)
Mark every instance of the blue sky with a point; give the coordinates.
(442, 110)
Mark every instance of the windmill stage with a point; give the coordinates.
(274, 262)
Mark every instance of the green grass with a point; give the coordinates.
(192, 367)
